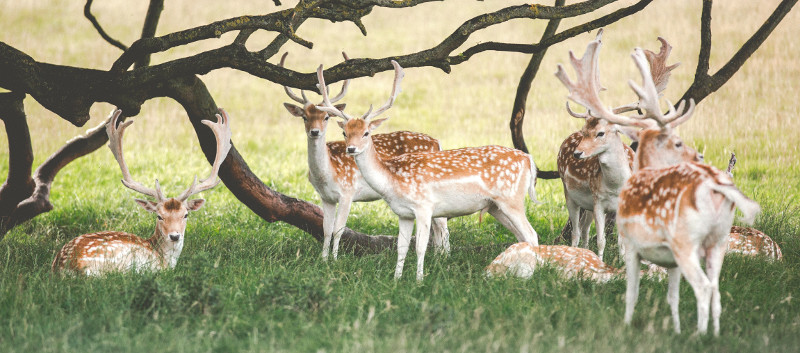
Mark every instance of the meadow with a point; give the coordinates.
(242, 284)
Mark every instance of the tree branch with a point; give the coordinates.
(18, 185)
(704, 84)
(87, 11)
(149, 27)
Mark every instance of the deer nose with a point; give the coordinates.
(174, 236)
(314, 132)
(351, 149)
(577, 154)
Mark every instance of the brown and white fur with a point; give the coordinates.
(522, 260)
(753, 242)
(113, 251)
(671, 213)
(335, 176)
(420, 186)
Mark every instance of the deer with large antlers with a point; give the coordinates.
(594, 163)
(671, 212)
(336, 177)
(420, 186)
(109, 251)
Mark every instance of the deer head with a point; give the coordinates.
(357, 131)
(316, 121)
(171, 213)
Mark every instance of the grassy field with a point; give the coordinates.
(246, 285)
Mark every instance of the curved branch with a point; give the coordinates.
(705, 84)
(87, 11)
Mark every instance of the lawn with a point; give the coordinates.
(242, 284)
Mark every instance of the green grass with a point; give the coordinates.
(246, 285)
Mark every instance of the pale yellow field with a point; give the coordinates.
(755, 114)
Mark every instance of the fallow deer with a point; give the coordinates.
(452, 183)
(522, 259)
(594, 162)
(109, 251)
(753, 242)
(672, 213)
(335, 176)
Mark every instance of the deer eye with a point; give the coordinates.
(344, 134)
(679, 144)
(327, 117)
(366, 134)
(601, 134)
(160, 218)
(186, 215)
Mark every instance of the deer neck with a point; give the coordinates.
(614, 164)
(168, 251)
(374, 170)
(319, 159)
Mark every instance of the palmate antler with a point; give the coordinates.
(221, 130)
(303, 99)
(328, 107)
(585, 90)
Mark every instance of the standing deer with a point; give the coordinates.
(108, 251)
(335, 176)
(419, 186)
(522, 259)
(672, 213)
(594, 163)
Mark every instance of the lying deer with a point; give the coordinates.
(522, 259)
(672, 213)
(420, 186)
(99, 253)
(594, 163)
(335, 176)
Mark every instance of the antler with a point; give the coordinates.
(304, 100)
(398, 77)
(327, 105)
(588, 80)
(659, 70)
(649, 96)
(222, 131)
(115, 134)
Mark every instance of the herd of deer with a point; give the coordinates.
(672, 209)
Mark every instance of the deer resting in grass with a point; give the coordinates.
(671, 213)
(335, 176)
(110, 251)
(594, 162)
(425, 185)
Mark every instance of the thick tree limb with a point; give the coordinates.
(19, 184)
(705, 84)
(87, 11)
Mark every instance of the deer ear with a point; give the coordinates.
(375, 123)
(341, 124)
(340, 106)
(294, 110)
(150, 206)
(630, 131)
(194, 205)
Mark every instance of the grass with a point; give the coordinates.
(246, 285)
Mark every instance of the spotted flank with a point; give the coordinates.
(753, 242)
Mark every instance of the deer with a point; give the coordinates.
(103, 252)
(451, 183)
(672, 212)
(594, 163)
(522, 259)
(335, 176)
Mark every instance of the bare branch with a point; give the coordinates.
(149, 27)
(87, 11)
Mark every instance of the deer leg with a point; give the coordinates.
(714, 258)
(423, 235)
(441, 235)
(632, 292)
(406, 226)
(689, 263)
(574, 218)
(600, 226)
(673, 296)
(341, 221)
(328, 216)
(515, 220)
(586, 222)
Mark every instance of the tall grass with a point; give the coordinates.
(246, 285)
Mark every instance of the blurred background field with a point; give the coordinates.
(215, 299)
